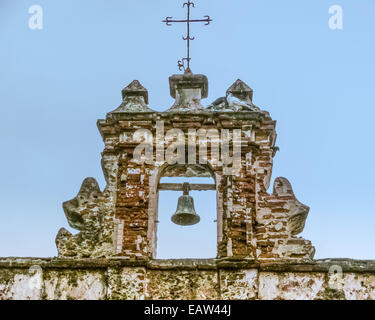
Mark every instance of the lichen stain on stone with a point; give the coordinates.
(16, 284)
(75, 284)
(240, 285)
(359, 286)
(126, 283)
(290, 286)
(182, 285)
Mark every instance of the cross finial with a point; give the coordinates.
(188, 38)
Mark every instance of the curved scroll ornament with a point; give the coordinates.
(297, 212)
(294, 214)
(85, 213)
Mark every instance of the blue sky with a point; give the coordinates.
(316, 82)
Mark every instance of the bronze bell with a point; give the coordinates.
(185, 214)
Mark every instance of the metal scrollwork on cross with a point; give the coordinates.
(184, 63)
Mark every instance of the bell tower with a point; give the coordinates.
(231, 140)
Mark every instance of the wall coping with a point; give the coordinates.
(322, 265)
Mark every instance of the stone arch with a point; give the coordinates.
(177, 170)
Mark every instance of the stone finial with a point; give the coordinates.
(238, 97)
(241, 90)
(135, 99)
(188, 90)
(135, 89)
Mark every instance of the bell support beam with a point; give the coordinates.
(180, 187)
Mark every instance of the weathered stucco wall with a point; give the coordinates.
(29, 278)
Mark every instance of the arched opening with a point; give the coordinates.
(197, 241)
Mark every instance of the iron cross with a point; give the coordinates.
(188, 38)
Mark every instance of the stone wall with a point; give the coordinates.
(115, 279)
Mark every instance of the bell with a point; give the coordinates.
(185, 214)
